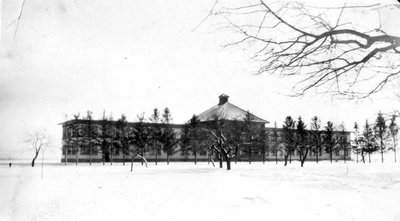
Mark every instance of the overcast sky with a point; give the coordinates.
(124, 56)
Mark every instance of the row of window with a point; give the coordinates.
(84, 150)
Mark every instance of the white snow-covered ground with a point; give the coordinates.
(184, 191)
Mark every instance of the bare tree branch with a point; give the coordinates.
(299, 41)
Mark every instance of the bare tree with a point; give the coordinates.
(222, 144)
(140, 138)
(38, 141)
(236, 131)
(320, 48)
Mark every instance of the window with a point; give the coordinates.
(85, 150)
(337, 152)
(155, 148)
(71, 150)
(203, 151)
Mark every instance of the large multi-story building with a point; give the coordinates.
(76, 146)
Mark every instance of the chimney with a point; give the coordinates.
(223, 98)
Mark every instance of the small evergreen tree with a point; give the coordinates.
(89, 135)
(289, 138)
(302, 144)
(189, 139)
(122, 136)
(343, 144)
(262, 141)
(169, 136)
(380, 132)
(394, 130)
(369, 144)
(315, 136)
(155, 133)
(248, 132)
(329, 139)
(356, 148)
(275, 141)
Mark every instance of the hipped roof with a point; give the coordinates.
(227, 111)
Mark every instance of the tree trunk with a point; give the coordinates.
(220, 160)
(330, 154)
(249, 154)
(65, 158)
(123, 156)
(395, 157)
(33, 160)
(382, 154)
(276, 156)
(369, 157)
(290, 157)
(156, 156)
(357, 157)
(228, 163)
(76, 155)
(286, 159)
(316, 154)
(344, 155)
(167, 158)
(141, 161)
(263, 157)
(103, 157)
(111, 155)
(236, 155)
(303, 158)
(132, 164)
(195, 157)
(90, 154)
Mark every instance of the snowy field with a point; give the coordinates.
(184, 191)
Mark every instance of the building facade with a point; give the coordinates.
(86, 140)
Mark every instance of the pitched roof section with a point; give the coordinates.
(228, 111)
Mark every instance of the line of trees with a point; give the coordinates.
(113, 137)
(229, 140)
(296, 138)
(378, 137)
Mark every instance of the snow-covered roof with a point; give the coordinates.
(228, 111)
